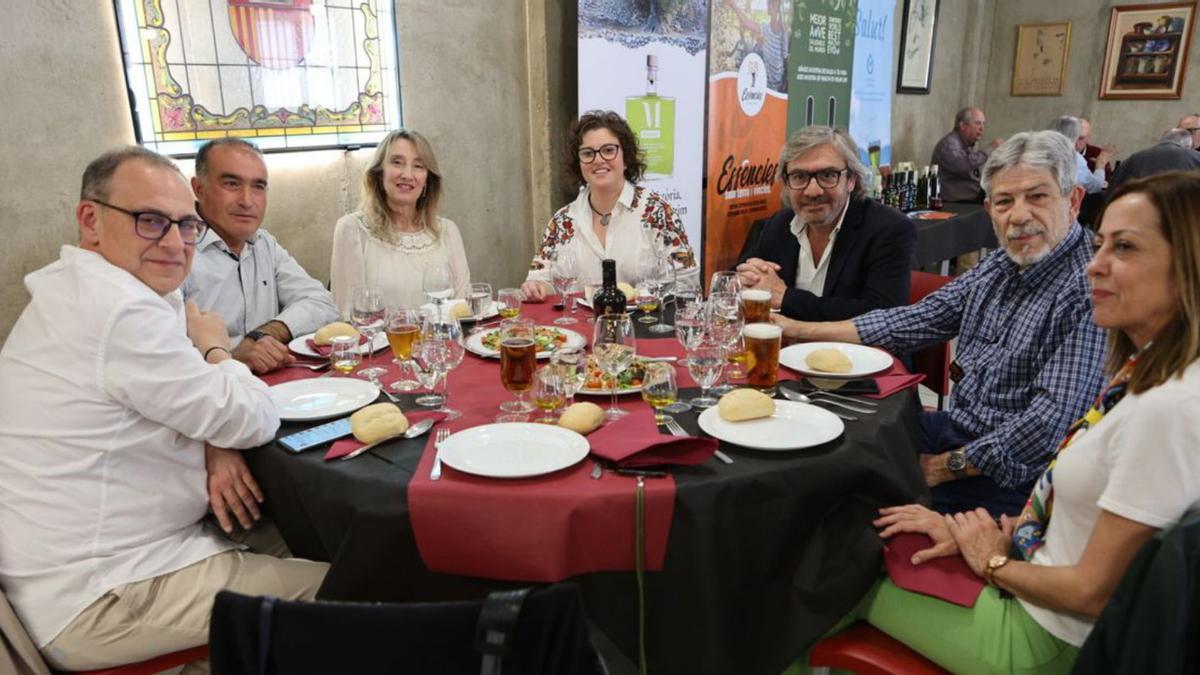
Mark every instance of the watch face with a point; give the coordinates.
(957, 461)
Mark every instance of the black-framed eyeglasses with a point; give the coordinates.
(826, 178)
(607, 151)
(1191, 130)
(154, 226)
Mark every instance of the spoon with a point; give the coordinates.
(797, 396)
(413, 431)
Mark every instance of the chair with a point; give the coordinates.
(529, 632)
(866, 650)
(932, 362)
(151, 666)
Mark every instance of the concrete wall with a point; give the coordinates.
(465, 77)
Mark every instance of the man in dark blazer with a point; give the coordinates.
(832, 253)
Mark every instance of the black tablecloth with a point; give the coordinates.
(764, 554)
(939, 240)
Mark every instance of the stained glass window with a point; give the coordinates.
(286, 74)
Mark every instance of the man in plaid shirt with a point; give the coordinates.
(1029, 358)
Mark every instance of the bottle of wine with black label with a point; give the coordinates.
(609, 299)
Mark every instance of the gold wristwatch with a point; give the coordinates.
(993, 564)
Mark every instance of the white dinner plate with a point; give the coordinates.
(792, 427)
(321, 397)
(513, 449)
(300, 346)
(863, 360)
(492, 309)
(475, 342)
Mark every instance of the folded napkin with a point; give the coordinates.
(890, 384)
(324, 350)
(634, 440)
(894, 379)
(345, 446)
(947, 578)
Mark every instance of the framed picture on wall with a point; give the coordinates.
(1147, 51)
(1040, 64)
(917, 34)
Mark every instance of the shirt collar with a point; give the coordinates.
(211, 238)
(799, 227)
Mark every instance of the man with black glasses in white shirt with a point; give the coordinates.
(241, 272)
(117, 401)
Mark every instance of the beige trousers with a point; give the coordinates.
(137, 621)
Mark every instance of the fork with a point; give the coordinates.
(817, 391)
(797, 396)
(442, 435)
(310, 366)
(677, 429)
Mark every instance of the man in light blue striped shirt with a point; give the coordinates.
(1029, 357)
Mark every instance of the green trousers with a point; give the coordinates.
(997, 635)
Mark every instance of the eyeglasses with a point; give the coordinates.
(1191, 130)
(826, 178)
(154, 226)
(608, 151)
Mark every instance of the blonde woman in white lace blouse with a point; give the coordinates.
(397, 231)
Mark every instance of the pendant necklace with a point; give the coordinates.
(604, 217)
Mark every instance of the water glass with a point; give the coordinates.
(614, 348)
(437, 283)
(479, 299)
(571, 365)
(563, 272)
(367, 314)
(725, 281)
(706, 362)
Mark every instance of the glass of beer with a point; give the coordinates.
(756, 305)
(509, 300)
(403, 329)
(343, 354)
(518, 361)
(762, 355)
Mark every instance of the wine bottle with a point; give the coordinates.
(935, 188)
(609, 299)
(923, 190)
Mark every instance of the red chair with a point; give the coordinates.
(154, 665)
(866, 650)
(932, 362)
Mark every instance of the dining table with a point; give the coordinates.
(955, 229)
(756, 559)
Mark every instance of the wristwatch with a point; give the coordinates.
(994, 563)
(256, 335)
(956, 461)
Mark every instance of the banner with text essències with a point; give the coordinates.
(645, 61)
(747, 120)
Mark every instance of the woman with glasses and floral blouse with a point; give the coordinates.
(612, 217)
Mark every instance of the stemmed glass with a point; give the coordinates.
(367, 314)
(706, 361)
(442, 351)
(725, 327)
(614, 347)
(518, 360)
(663, 284)
(571, 365)
(659, 389)
(725, 281)
(547, 393)
(437, 284)
(424, 364)
(403, 329)
(563, 271)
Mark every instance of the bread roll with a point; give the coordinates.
(582, 417)
(828, 361)
(377, 422)
(629, 291)
(326, 333)
(740, 405)
(460, 310)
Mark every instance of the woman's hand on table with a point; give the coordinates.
(534, 291)
(231, 487)
(915, 518)
(979, 537)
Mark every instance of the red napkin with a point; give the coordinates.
(349, 444)
(890, 384)
(634, 440)
(947, 578)
(324, 350)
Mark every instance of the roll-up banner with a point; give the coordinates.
(822, 62)
(644, 59)
(871, 85)
(747, 120)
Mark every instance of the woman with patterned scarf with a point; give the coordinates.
(1129, 468)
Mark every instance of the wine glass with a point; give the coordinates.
(571, 365)
(706, 361)
(725, 325)
(562, 275)
(344, 354)
(614, 347)
(442, 349)
(424, 363)
(437, 284)
(403, 329)
(518, 360)
(725, 281)
(547, 393)
(659, 388)
(509, 300)
(664, 283)
(367, 314)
